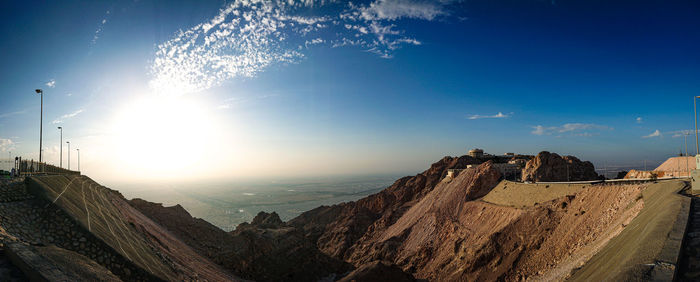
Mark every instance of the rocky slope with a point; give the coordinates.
(264, 250)
(336, 228)
(550, 167)
(426, 227)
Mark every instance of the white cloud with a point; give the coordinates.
(396, 9)
(247, 37)
(313, 42)
(539, 130)
(656, 133)
(568, 127)
(498, 115)
(639, 120)
(51, 83)
(66, 116)
(69, 94)
(6, 144)
(575, 129)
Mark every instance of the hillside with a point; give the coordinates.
(450, 235)
(78, 216)
(472, 226)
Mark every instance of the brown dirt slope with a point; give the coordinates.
(336, 228)
(677, 164)
(106, 215)
(520, 195)
(632, 255)
(447, 236)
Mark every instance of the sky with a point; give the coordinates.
(223, 90)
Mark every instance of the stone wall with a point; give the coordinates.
(35, 221)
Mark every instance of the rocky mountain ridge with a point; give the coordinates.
(430, 227)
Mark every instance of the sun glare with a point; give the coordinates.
(163, 136)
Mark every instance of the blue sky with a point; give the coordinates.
(222, 90)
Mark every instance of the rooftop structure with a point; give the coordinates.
(476, 153)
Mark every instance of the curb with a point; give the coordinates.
(668, 261)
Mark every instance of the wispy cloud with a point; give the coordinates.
(4, 115)
(574, 129)
(51, 83)
(639, 120)
(247, 37)
(100, 26)
(678, 133)
(656, 133)
(396, 9)
(498, 115)
(66, 116)
(235, 101)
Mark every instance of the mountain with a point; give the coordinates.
(469, 226)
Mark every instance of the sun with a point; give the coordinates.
(164, 137)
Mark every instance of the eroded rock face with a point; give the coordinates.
(643, 174)
(423, 238)
(336, 228)
(550, 167)
(264, 250)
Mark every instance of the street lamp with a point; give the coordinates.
(78, 158)
(41, 118)
(68, 142)
(695, 109)
(687, 168)
(61, 144)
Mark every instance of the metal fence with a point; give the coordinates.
(31, 167)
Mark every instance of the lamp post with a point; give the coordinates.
(687, 168)
(41, 118)
(61, 144)
(78, 158)
(68, 142)
(695, 110)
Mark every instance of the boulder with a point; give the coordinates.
(550, 167)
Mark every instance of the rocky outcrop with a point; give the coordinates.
(264, 250)
(550, 167)
(275, 251)
(644, 174)
(417, 240)
(336, 228)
